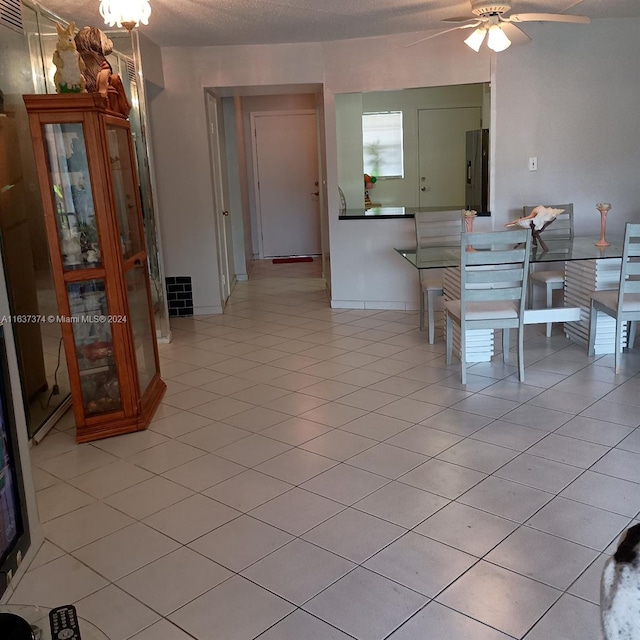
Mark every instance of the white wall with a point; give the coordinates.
(349, 139)
(569, 98)
(184, 183)
(371, 275)
(151, 57)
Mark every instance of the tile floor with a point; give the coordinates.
(318, 474)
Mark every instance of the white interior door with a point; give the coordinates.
(442, 154)
(286, 174)
(221, 211)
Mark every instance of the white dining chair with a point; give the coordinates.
(434, 228)
(494, 268)
(560, 229)
(622, 303)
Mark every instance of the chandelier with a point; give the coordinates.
(125, 13)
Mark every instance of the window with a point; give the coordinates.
(382, 144)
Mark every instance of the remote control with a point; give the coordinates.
(64, 623)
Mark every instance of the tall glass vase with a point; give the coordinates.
(469, 216)
(603, 208)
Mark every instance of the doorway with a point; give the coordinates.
(442, 154)
(286, 183)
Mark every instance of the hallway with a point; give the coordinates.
(319, 474)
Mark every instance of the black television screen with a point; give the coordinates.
(14, 530)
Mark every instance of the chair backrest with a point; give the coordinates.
(494, 267)
(630, 268)
(562, 227)
(438, 228)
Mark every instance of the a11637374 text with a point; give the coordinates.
(62, 319)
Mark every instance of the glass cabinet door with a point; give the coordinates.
(141, 325)
(125, 189)
(94, 346)
(73, 199)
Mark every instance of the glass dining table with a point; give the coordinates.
(587, 269)
(576, 248)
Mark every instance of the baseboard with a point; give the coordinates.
(347, 304)
(381, 305)
(386, 306)
(207, 311)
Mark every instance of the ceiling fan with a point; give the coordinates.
(490, 19)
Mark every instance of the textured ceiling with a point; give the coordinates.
(229, 22)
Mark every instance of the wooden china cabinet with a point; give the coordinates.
(86, 170)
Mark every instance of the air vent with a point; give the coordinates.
(11, 15)
(131, 70)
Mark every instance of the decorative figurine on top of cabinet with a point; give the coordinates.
(69, 76)
(94, 46)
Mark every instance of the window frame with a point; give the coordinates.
(399, 161)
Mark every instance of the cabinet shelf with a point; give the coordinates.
(99, 369)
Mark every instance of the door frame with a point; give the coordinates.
(215, 135)
(254, 159)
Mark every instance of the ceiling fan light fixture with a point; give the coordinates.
(475, 40)
(490, 19)
(127, 13)
(497, 40)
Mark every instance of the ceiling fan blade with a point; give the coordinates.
(476, 23)
(515, 34)
(575, 3)
(459, 19)
(547, 17)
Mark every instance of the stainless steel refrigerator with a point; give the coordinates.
(477, 176)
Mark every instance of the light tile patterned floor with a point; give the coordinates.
(318, 474)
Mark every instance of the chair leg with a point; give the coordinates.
(593, 322)
(505, 345)
(422, 294)
(430, 305)
(549, 305)
(449, 329)
(463, 354)
(632, 334)
(521, 353)
(618, 345)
